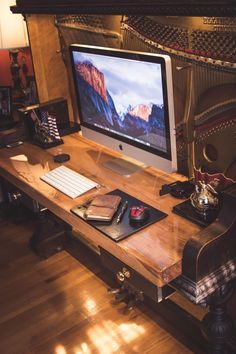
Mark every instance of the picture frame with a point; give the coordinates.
(5, 104)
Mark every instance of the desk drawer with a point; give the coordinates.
(126, 274)
(15, 196)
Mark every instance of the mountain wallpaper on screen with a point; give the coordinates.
(145, 122)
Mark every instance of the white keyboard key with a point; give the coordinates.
(68, 181)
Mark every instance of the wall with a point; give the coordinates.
(24, 56)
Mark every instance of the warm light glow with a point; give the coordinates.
(109, 337)
(60, 349)
(13, 32)
(84, 349)
(105, 341)
(21, 158)
(130, 331)
(91, 306)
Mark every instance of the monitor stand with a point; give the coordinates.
(122, 167)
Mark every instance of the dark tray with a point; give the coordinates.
(186, 210)
(125, 228)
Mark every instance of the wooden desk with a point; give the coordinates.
(155, 252)
(158, 252)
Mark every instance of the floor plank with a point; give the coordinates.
(61, 305)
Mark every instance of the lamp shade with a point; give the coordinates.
(13, 32)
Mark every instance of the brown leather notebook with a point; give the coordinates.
(102, 207)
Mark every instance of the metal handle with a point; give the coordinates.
(122, 274)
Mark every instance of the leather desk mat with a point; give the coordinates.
(125, 228)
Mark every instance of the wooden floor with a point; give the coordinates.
(61, 305)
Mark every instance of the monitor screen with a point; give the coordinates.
(125, 101)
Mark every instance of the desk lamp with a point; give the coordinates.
(13, 35)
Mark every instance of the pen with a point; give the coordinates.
(123, 209)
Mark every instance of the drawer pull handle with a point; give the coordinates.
(122, 274)
(126, 272)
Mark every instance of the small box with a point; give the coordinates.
(44, 122)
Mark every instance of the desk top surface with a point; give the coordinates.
(155, 252)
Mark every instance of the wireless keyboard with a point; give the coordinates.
(68, 181)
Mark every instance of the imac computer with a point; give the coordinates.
(125, 102)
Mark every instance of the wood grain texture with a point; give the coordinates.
(51, 306)
(155, 252)
(50, 71)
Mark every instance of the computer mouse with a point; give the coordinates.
(61, 158)
(138, 213)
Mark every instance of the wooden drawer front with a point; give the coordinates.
(14, 195)
(128, 275)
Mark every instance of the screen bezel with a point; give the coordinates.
(137, 56)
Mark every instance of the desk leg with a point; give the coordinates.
(50, 236)
(217, 326)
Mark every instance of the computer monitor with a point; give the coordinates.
(125, 102)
